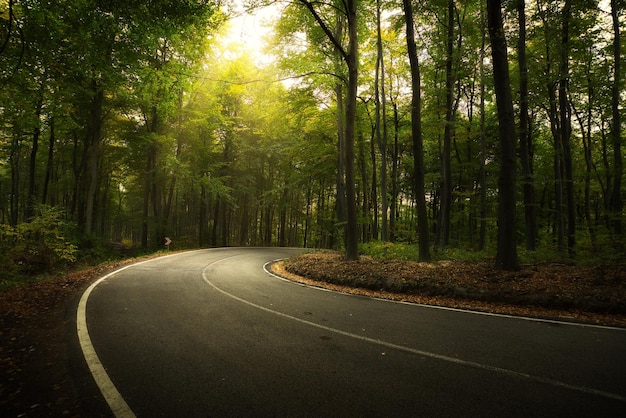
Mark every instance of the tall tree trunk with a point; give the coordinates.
(506, 256)
(341, 150)
(482, 176)
(586, 133)
(443, 233)
(555, 128)
(203, 220)
(32, 166)
(381, 120)
(352, 232)
(282, 218)
(94, 128)
(350, 57)
(147, 195)
(566, 128)
(307, 222)
(366, 229)
(416, 132)
(393, 212)
(49, 162)
(530, 215)
(374, 189)
(616, 135)
(14, 161)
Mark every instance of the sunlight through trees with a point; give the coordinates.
(136, 123)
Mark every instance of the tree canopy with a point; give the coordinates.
(125, 122)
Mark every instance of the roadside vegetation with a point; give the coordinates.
(552, 287)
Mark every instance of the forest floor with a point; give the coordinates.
(37, 322)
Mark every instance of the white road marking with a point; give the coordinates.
(118, 405)
(114, 399)
(447, 308)
(427, 354)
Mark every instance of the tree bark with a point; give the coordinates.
(32, 166)
(566, 128)
(443, 233)
(352, 233)
(506, 256)
(49, 164)
(381, 120)
(482, 175)
(350, 57)
(94, 128)
(618, 163)
(530, 215)
(416, 131)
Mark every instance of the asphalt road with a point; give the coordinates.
(210, 333)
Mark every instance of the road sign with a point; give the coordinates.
(168, 241)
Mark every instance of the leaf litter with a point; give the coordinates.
(592, 294)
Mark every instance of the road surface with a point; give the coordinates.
(210, 333)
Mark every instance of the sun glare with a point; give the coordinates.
(247, 32)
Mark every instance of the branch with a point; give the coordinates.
(327, 31)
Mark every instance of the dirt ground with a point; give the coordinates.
(38, 379)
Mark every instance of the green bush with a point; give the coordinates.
(36, 247)
(390, 251)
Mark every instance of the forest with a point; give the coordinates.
(487, 127)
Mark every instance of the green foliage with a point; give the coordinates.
(36, 247)
(390, 251)
(197, 142)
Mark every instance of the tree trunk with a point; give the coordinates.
(381, 120)
(586, 134)
(341, 150)
(416, 131)
(566, 128)
(366, 229)
(282, 221)
(352, 233)
(555, 128)
(14, 161)
(203, 219)
(32, 166)
(374, 189)
(393, 209)
(443, 233)
(618, 163)
(506, 256)
(351, 59)
(530, 215)
(94, 127)
(482, 177)
(49, 163)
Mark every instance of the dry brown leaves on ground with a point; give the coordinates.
(34, 361)
(594, 294)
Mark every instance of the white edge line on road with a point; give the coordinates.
(112, 396)
(118, 405)
(114, 399)
(447, 308)
(422, 353)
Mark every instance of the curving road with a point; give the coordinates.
(210, 333)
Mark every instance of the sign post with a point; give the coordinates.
(167, 243)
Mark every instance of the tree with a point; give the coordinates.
(350, 57)
(506, 256)
(381, 119)
(616, 131)
(416, 131)
(525, 141)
